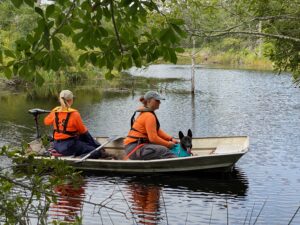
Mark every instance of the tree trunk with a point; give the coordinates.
(193, 68)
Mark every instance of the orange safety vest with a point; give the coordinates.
(66, 123)
(132, 120)
(146, 128)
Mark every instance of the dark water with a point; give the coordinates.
(261, 105)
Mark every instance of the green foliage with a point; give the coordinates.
(249, 23)
(28, 190)
(114, 35)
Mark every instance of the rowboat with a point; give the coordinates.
(209, 154)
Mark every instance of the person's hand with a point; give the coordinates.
(171, 144)
(174, 140)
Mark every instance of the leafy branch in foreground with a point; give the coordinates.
(28, 187)
(112, 34)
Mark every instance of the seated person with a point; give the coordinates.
(71, 137)
(146, 140)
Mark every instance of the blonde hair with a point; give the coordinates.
(64, 103)
(64, 97)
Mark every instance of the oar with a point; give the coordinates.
(110, 139)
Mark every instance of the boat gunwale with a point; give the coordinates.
(69, 158)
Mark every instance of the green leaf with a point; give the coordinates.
(103, 31)
(50, 10)
(55, 61)
(173, 57)
(38, 56)
(39, 29)
(56, 43)
(22, 44)
(24, 72)
(82, 59)
(50, 24)
(77, 25)
(179, 31)
(164, 35)
(101, 62)
(10, 63)
(17, 3)
(9, 53)
(7, 72)
(29, 2)
(66, 30)
(86, 6)
(39, 11)
(93, 58)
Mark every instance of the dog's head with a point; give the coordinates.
(186, 141)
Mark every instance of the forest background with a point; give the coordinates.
(77, 40)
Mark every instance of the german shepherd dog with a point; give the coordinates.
(186, 141)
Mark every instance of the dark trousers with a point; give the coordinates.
(83, 144)
(149, 151)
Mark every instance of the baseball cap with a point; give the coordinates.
(66, 94)
(153, 94)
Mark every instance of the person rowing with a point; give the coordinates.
(71, 137)
(145, 139)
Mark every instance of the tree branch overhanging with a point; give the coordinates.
(115, 26)
(204, 34)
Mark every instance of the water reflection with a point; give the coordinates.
(69, 203)
(146, 192)
(234, 185)
(145, 201)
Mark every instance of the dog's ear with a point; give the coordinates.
(180, 134)
(190, 133)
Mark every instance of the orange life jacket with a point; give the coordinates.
(66, 123)
(132, 120)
